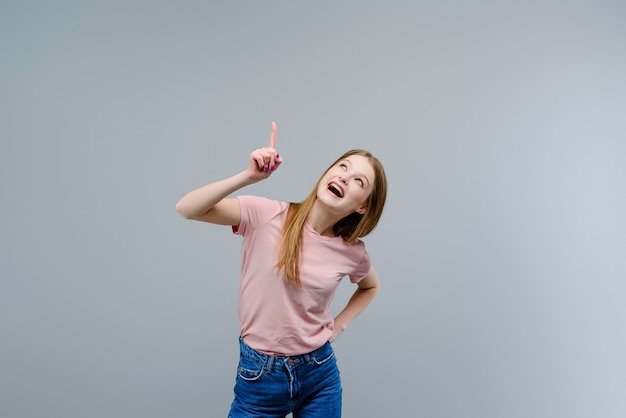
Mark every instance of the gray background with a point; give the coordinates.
(501, 251)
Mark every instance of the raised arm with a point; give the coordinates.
(210, 203)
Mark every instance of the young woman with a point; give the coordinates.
(294, 257)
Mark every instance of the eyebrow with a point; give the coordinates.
(359, 174)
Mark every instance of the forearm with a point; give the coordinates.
(357, 304)
(198, 202)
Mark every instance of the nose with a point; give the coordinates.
(343, 180)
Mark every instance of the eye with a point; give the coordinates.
(345, 167)
(360, 182)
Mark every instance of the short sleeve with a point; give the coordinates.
(255, 211)
(363, 267)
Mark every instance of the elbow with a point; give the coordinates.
(375, 289)
(183, 211)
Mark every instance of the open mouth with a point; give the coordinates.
(334, 188)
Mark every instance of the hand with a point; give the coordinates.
(264, 161)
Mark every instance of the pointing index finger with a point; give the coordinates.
(273, 135)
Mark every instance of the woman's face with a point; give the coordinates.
(346, 185)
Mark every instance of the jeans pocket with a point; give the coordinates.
(249, 370)
(323, 360)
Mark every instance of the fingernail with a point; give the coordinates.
(277, 156)
(265, 169)
(272, 168)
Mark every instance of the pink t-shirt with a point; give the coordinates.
(276, 317)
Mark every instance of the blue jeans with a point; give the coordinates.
(267, 386)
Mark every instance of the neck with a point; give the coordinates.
(322, 221)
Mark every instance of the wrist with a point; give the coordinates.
(339, 325)
(246, 178)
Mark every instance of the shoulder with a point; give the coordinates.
(357, 245)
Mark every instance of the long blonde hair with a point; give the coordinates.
(350, 228)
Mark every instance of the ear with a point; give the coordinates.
(361, 210)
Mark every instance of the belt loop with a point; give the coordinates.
(270, 363)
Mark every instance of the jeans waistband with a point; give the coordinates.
(270, 361)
